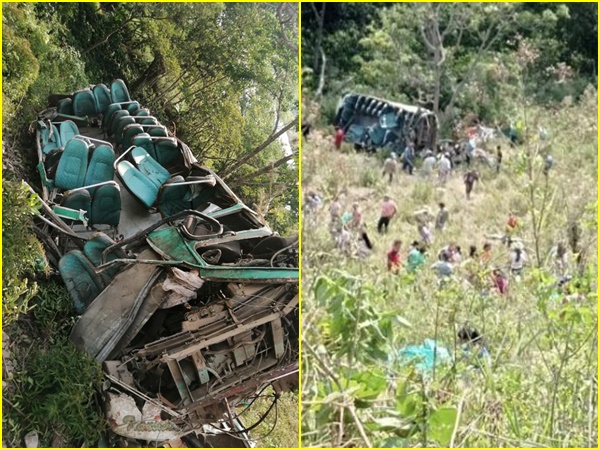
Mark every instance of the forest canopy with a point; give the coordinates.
(453, 58)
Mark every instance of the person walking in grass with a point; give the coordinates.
(548, 164)
(357, 217)
(393, 257)
(408, 158)
(416, 257)
(390, 167)
(443, 268)
(486, 255)
(388, 210)
(442, 217)
(428, 164)
(424, 232)
(518, 258)
(470, 178)
(498, 159)
(444, 168)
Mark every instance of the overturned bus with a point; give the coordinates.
(371, 123)
(187, 298)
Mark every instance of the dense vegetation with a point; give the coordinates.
(539, 388)
(222, 76)
(455, 59)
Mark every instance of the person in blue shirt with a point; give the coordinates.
(408, 158)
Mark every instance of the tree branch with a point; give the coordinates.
(267, 169)
(251, 154)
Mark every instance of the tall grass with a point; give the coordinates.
(540, 388)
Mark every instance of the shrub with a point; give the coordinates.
(20, 249)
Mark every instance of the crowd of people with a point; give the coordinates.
(491, 268)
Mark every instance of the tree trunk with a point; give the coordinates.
(151, 74)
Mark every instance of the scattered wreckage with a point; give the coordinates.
(372, 123)
(187, 298)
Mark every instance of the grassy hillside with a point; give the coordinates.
(540, 388)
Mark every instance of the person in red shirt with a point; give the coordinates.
(393, 257)
(511, 227)
(500, 281)
(339, 138)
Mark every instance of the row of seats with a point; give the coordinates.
(78, 272)
(102, 206)
(91, 102)
(77, 169)
(153, 186)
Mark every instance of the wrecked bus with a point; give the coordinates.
(371, 123)
(187, 298)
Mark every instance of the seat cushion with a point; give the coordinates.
(173, 198)
(65, 106)
(137, 183)
(116, 117)
(129, 132)
(167, 152)
(143, 140)
(106, 206)
(108, 115)
(122, 123)
(101, 167)
(82, 282)
(50, 139)
(150, 167)
(68, 130)
(72, 167)
(78, 200)
(132, 107)
(102, 98)
(84, 103)
(93, 250)
(119, 91)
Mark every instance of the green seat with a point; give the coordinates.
(116, 117)
(129, 133)
(79, 200)
(167, 152)
(143, 140)
(68, 130)
(149, 121)
(122, 123)
(150, 167)
(100, 168)
(72, 167)
(132, 107)
(108, 115)
(65, 106)
(106, 206)
(141, 112)
(50, 139)
(102, 98)
(157, 131)
(173, 198)
(119, 92)
(137, 183)
(84, 103)
(82, 282)
(93, 250)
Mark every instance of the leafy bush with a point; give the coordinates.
(55, 397)
(21, 250)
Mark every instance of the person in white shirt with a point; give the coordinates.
(428, 163)
(518, 258)
(444, 167)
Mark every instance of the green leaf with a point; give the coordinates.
(441, 425)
